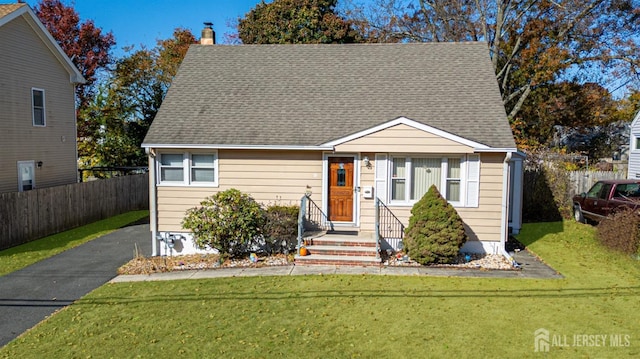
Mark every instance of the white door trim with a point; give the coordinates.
(356, 185)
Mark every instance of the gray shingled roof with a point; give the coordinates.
(306, 95)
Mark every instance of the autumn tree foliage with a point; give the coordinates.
(533, 44)
(295, 22)
(128, 100)
(561, 108)
(85, 44)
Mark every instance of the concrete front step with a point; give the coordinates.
(342, 250)
(320, 259)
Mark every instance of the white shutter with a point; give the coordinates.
(473, 180)
(381, 177)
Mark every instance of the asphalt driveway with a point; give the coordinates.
(31, 294)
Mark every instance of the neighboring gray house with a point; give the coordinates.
(634, 149)
(348, 124)
(37, 104)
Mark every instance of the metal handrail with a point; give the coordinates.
(387, 225)
(311, 217)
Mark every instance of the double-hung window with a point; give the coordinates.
(172, 167)
(195, 169)
(203, 168)
(37, 106)
(411, 178)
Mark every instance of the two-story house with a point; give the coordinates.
(37, 104)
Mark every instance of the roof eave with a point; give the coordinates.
(237, 147)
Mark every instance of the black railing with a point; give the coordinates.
(388, 226)
(311, 219)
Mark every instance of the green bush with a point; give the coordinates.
(229, 221)
(436, 232)
(281, 229)
(621, 231)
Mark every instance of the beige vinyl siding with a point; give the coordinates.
(483, 222)
(403, 139)
(26, 63)
(271, 177)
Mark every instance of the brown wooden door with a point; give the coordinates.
(341, 189)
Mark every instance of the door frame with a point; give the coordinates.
(356, 186)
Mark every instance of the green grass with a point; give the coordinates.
(26, 254)
(359, 316)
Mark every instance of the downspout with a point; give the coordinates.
(153, 202)
(506, 188)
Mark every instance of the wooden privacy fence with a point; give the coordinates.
(581, 181)
(26, 216)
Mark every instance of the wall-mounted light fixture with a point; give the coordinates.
(39, 164)
(366, 161)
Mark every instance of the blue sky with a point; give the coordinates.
(135, 22)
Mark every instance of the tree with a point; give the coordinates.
(532, 43)
(554, 110)
(295, 22)
(84, 43)
(128, 101)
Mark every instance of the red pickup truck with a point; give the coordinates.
(604, 198)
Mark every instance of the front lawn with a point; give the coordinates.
(362, 316)
(26, 254)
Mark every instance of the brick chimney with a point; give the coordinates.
(208, 35)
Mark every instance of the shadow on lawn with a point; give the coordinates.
(480, 293)
(531, 232)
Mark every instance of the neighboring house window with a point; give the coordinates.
(637, 143)
(411, 178)
(37, 101)
(188, 169)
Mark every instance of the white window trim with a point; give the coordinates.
(33, 106)
(443, 178)
(186, 170)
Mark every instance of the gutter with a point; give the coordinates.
(153, 202)
(506, 188)
(237, 147)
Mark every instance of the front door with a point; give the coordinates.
(341, 189)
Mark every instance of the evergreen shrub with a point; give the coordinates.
(436, 232)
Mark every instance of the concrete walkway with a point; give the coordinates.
(531, 268)
(30, 295)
